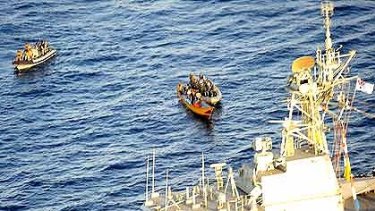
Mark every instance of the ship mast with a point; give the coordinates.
(319, 88)
(327, 12)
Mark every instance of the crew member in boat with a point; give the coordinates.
(193, 96)
(28, 52)
(180, 88)
(202, 88)
(190, 95)
(40, 48)
(45, 46)
(200, 84)
(197, 82)
(19, 55)
(32, 51)
(197, 103)
(208, 88)
(193, 82)
(200, 81)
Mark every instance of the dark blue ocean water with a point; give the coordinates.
(75, 132)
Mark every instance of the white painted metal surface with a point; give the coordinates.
(308, 182)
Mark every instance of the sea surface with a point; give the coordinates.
(75, 133)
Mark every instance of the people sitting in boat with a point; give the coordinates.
(198, 83)
(32, 51)
(193, 81)
(181, 88)
(190, 95)
(24, 56)
(202, 88)
(45, 46)
(27, 45)
(19, 55)
(29, 55)
(187, 89)
(198, 101)
(208, 88)
(28, 52)
(39, 47)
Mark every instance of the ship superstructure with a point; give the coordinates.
(307, 173)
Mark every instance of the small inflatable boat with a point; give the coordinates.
(33, 56)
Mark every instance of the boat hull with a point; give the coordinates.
(22, 66)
